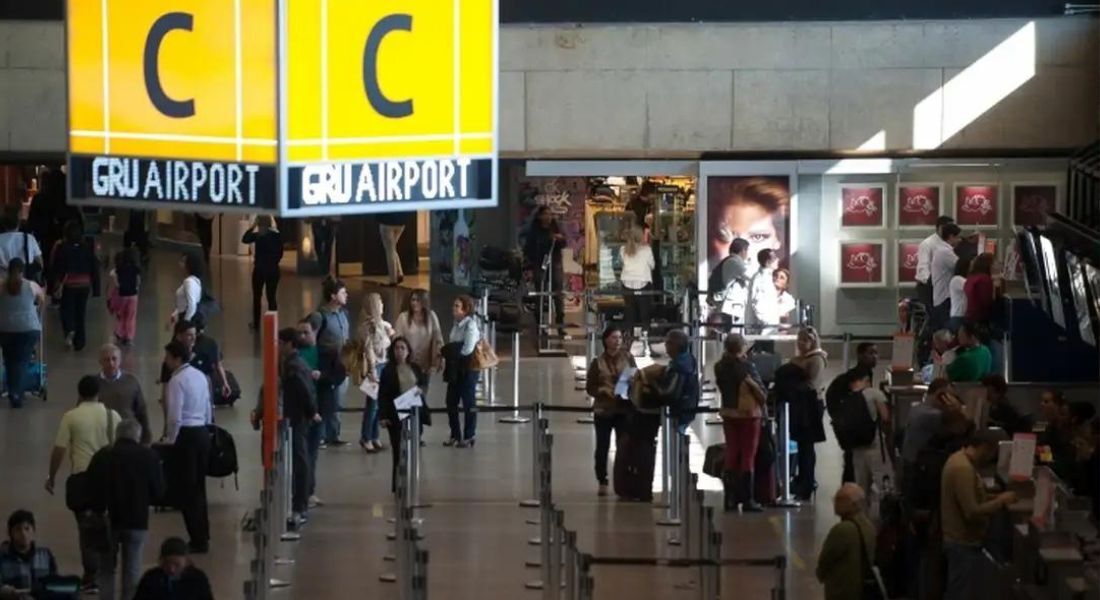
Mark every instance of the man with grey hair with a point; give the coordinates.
(125, 478)
(848, 547)
(121, 391)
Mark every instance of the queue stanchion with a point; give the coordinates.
(542, 469)
(586, 585)
(415, 500)
(786, 500)
(684, 494)
(286, 485)
(515, 418)
(571, 559)
(845, 349)
(537, 439)
(669, 466)
(546, 508)
(402, 520)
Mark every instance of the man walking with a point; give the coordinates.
(390, 227)
(189, 411)
(121, 391)
(84, 430)
(125, 477)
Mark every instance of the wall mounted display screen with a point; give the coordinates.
(1080, 297)
(1050, 269)
(1092, 278)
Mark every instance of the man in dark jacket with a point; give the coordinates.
(542, 251)
(681, 379)
(125, 479)
(327, 372)
(300, 410)
(175, 578)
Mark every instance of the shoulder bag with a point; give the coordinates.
(483, 357)
(78, 491)
(871, 586)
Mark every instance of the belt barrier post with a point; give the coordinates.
(846, 348)
(585, 585)
(671, 475)
(709, 551)
(401, 491)
(546, 524)
(275, 512)
(551, 586)
(780, 591)
(570, 564)
(414, 452)
(420, 575)
(668, 459)
(286, 514)
(786, 500)
(537, 438)
(515, 417)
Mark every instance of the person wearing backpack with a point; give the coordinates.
(844, 564)
(860, 425)
(333, 333)
(728, 283)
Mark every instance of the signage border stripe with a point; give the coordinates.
(168, 137)
(106, 77)
(392, 139)
(324, 79)
(238, 107)
(457, 67)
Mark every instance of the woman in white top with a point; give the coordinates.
(461, 379)
(637, 276)
(376, 334)
(189, 293)
(20, 326)
(956, 287)
(419, 325)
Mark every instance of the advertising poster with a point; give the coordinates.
(906, 272)
(861, 263)
(862, 206)
(565, 199)
(1031, 203)
(751, 207)
(976, 205)
(919, 205)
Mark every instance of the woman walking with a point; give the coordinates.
(461, 379)
(376, 334)
(76, 267)
(637, 282)
(20, 327)
(608, 409)
(125, 281)
(189, 293)
(742, 410)
(265, 269)
(399, 376)
(807, 428)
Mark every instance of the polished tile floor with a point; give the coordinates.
(475, 532)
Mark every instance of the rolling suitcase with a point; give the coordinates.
(635, 457)
(171, 498)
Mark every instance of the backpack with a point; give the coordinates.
(223, 454)
(852, 422)
(716, 288)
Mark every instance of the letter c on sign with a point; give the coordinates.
(177, 109)
(378, 101)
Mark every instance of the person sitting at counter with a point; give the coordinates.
(1001, 412)
(973, 360)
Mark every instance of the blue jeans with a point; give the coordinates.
(463, 393)
(315, 436)
(17, 348)
(130, 542)
(369, 431)
(330, 413)
(965, 564)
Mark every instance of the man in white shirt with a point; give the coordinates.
(189, 411)
(940, 273)
(763, 295)
(924, 261)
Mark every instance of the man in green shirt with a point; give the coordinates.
(973, 361)
(964, 510)
(840, 564)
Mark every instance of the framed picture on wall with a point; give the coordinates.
(978, 205)
(863, 205)
(862, 263)
(919, 205)
(1032, 201)
(905, 262)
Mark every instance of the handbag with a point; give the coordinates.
(483, 357)
(31, 270)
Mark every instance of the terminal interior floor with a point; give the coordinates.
(475, 531)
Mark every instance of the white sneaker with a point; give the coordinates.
(314, 502)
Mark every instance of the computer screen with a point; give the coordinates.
(1050, 272)
(1080, 296)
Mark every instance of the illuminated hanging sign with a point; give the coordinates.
(292, 107)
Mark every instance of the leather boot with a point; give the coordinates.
(748, 500)
(730, 494)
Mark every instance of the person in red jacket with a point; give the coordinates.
(979, 289)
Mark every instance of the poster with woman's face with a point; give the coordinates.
(755, 208)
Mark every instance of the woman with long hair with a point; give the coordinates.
(189, 293)
(76, 268)
(979, 290)
(637, 280)
(807, 427)
(125, 281)
(376, 334)
(398, 376)
(609, 412)
(461, 379)
(419, 325)
(265, 268)
(20, 327)
(742, 410)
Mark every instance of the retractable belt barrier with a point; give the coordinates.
(410, 561)
(272, 522)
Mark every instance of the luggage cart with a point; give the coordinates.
(37, 366)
